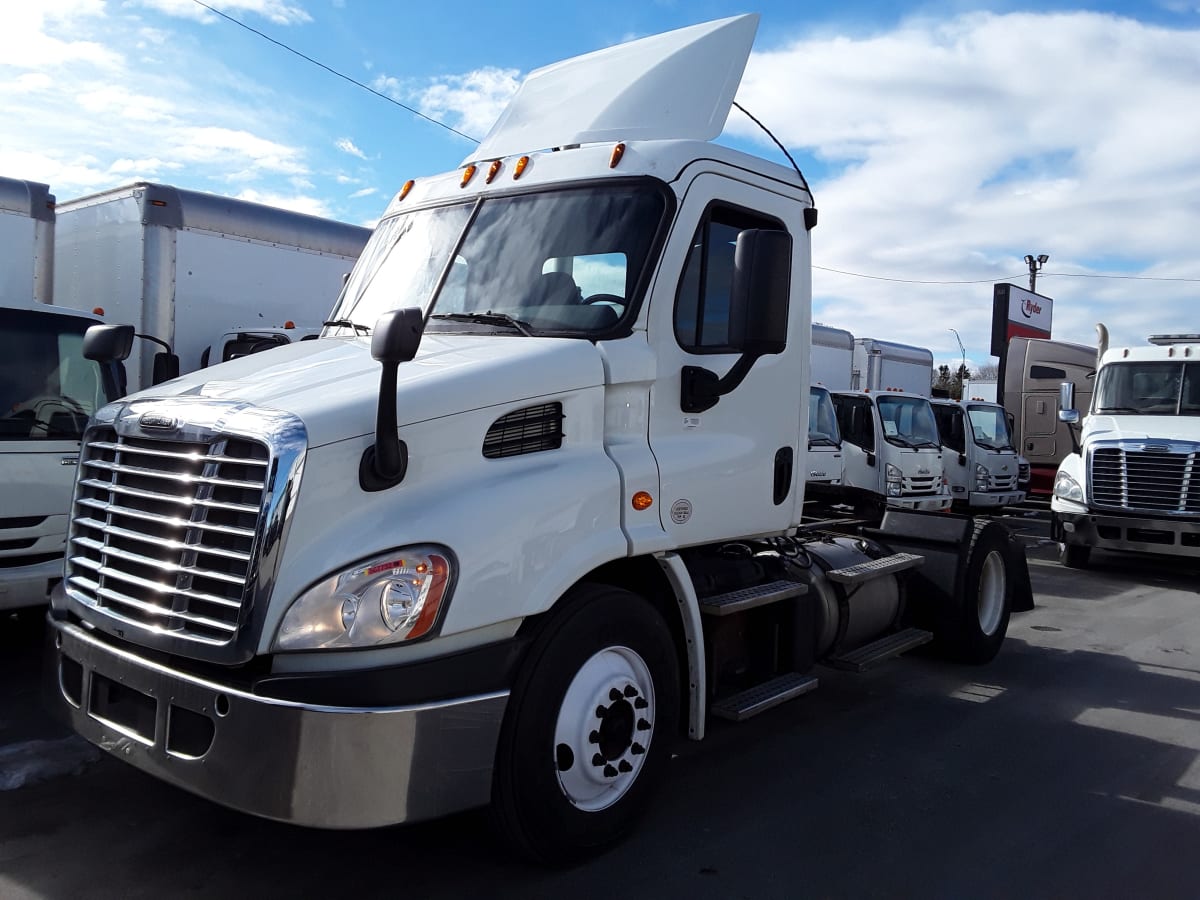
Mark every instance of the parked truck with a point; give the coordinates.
(47, 392)
(1127, 486)
(885, 364)
(832, 355)
(500, 535)
(202, 276)
(983, 468)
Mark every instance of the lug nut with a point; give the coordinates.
(601, 711)
(624, 766)
(610, 772)
(614, 695)
(594, 737)
(637, 749)
(598, 760)
(630, 691)
(643, 725)
(640, 703)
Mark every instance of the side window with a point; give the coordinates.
(854, 420)
(702, 304)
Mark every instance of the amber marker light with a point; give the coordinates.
(519, 168)
(493, 171)
(468, 174)
(98, 310)
(642, 500)
(618, 152)
(289, 325)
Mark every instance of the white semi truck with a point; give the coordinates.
(203, 277)
(1128, 484)
(525, 514)
(47, 392)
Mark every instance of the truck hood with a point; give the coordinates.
(1157, 428)
(333, 384)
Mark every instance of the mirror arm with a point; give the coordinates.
(701, 389)
(385, 462)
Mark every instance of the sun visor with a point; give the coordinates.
(677, 85)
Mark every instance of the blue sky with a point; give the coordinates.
(944, 141)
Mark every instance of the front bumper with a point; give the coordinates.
(995, 498)
(1171, 537)
(23, 586)
(322, 766)
(928, 503)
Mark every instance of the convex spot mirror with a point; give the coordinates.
(108, 343)
(1066, 403)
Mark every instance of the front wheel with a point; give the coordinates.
(589, 725)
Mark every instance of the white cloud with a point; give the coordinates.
(956, 146)
(274, 11)
(470, 103)
(365, 192)
(313, 206)
(347, 146)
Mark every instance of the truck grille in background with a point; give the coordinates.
(163, 532)
(1002, 483)
(921, 484)
(1148, 480)
(525, 431)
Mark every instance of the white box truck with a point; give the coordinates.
(206, 277)
(832, 357)
(982, 467)
(547, 521)
(886, 365)
(1128, 484)
(47, 392)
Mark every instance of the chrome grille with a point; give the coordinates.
(1145, 480)
(163, 532)
(921, 484)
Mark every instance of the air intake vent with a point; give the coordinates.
(527, 430)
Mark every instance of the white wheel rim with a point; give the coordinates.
(992, 584)
(604, 728)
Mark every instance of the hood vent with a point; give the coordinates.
(527, 430)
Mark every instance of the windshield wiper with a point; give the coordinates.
(487, 318)
(346, 323)
(1117, 409)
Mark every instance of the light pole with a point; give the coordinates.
(962, 372)
(1035, 265)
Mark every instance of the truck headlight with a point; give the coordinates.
(1067, 488)
(982, 477)
(384, 600)
(895, 480)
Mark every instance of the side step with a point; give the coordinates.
(885, 565)
(762, 697)
(869, 655)
(748, 598)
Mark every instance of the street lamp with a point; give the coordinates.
(962, 372)
(1035, 265)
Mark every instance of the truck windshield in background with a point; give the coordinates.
(822, 420)
(567, 262)
(1148, 389)
(989, 427)
(908, 421)
(48, 391)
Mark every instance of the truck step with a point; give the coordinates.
(762, 697)
(885, 565)
(748, 598)
(872, 654)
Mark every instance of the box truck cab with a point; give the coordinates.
(527, 510)
(48, 391)
(891, 449)
(1129, 485)
(832, 357)
(982, 466)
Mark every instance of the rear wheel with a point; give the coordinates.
(973, 630)
(1074, 556)
(588, 728)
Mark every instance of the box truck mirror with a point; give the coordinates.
(395, 340)
(166, 367)
(108, 343)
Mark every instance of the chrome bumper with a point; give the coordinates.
(322, 766)
(1171, 537)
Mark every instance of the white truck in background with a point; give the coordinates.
(1128, 485)
(982, 467)
(886, 365)
(832, 354)
(540, 529)
(205, 277)
(47, 392)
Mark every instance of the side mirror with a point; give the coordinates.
(1066, 403)
(166, 367)
(108, 343)
(396, 339)
(870, 458)
(762, 269)
(962, 459)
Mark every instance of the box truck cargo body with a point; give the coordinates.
(885, 365)
(189, 268)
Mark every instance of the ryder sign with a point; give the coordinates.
(1017, 312)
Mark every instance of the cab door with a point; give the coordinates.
(735, 469)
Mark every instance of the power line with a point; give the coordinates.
(1122, 277)
(1006, 277)
(332, 71)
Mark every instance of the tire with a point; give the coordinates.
(1074, 556)
(588, 728)
(973, 629)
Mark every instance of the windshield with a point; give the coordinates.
(1148, 389)
(566, 262)
(48, 390)
(822, 419)
(989, 427)
(907, 421)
